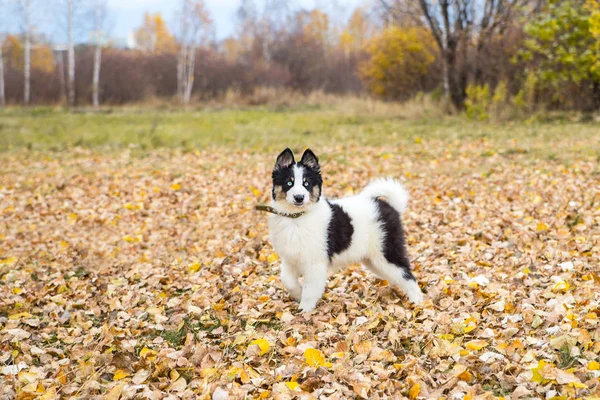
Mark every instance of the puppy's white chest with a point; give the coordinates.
(297, 241)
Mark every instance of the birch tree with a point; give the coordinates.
(72, 10)
(24, 11)
(71, 54)
(99, 10)
(195, 26)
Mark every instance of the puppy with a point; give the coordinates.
(314, 235)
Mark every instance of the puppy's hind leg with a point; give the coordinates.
(289, 278)
(397, 275)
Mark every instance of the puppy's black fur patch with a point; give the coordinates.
(394, 248)
(281, 176)
(339, 231)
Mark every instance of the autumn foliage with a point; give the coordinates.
(399, 63)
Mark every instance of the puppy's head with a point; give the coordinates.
(296, 184)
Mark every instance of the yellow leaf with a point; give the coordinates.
(174, 375)
(418, 140)
(469, 328)
(176, 186)
(263, 344)
(537, 372)
(61, 377)
(120, 374)
(17, 290)
(476, 344)
(414, 391)
(465, 376)
(255, 191)
(114, 393)
(561, 287)
(315, 358)
(272, 258)
(194, 267)
(148, 353)
(292, 385)
(579, 385)
(27, 377)
(49, 395)
(8, 261)
(541, 227)
(20, 315)
(594, 366)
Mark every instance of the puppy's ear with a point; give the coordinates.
(310, 160)
(285, 159)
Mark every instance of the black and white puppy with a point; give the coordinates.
(331, 234)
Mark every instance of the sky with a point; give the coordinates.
(125, 16)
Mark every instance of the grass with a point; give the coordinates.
(351, 122)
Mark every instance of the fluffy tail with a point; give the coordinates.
(392, 190)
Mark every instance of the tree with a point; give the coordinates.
(70, 54)
(25, 11)
(99, 11)
(69, 13)
(315, 26)
(455, 25)
(563, 45)
(357, 32)
(399, 62)
(154, 36)
(195, 27)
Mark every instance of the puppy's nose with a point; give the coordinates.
(299, 198)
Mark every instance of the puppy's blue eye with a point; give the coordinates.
(305, 184)
(290, 183)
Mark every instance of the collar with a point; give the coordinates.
(264, 207)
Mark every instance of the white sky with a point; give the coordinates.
(127, 15)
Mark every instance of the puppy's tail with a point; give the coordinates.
(392, 190)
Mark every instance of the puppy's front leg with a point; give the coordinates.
(315, 279)
(289, 278)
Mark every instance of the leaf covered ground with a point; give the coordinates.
(151, 276)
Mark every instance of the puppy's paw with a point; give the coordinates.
(416, 296)
(295, 295)
(306, 307)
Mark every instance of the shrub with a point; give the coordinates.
(399, 63)
(477, 102)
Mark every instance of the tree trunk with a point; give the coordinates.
(27, 57)
(596, 95)
(96, 78)
(446, 77)
(2, 95)
(189, 81)
(71, 56)
(61, 74)
(456, 86)
(180, 72)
